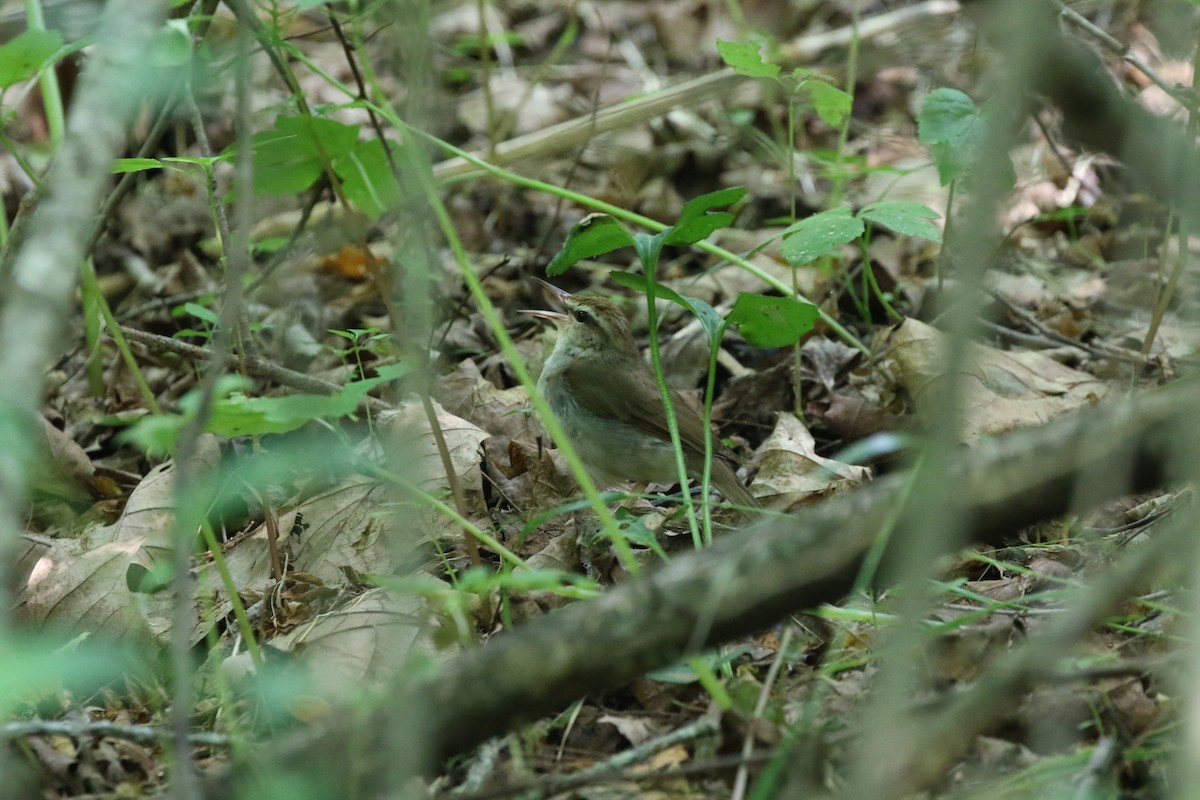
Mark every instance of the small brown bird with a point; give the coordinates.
(607, 400)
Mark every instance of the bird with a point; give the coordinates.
(607, 400)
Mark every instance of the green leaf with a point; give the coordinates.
(772, 321)
(477, 580)
(683, 672)
(154, 434)
(172, 44)
(21, 58)
(632, 280)
(951, 126)
(594, 235)
(697, 220)
(235, 414)
(818, 235)
(143, 580)
(121, 165)
(910, 219)
(710, 319)
(36, 668)
(238, 415)
(367, 178)
(832, 104)
(745, 59)
(648, 248)
(207, 162)
(197, 311)
(947, 115)
(290, 157)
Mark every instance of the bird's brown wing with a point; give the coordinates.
(632, 396)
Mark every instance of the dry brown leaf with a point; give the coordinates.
(351, 263)
(1138, 712)
(792, 474)
(636, 730)
(68, 458)
(411, 450)
(963, 653)
(466, 393)
(665, 759)
(344, 527)
(82, 584)
(1004, 390)
(370, 637)
(514, 106)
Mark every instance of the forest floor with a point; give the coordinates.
(319, 577)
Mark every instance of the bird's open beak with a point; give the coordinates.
(554, 295)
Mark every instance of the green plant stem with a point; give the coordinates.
(246, 16)
(48, 81)
(485, 81)
(90, 299)
(839, 176)
(590, 202)
(711, 683)
(92, 289)
(11, 147)
(231, 588)
(710, 385)
(425, 498)
(939, 264)
(650, 267)
(797, 389)
(864, 244)
(874, 557)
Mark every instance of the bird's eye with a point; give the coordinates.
(582, 316)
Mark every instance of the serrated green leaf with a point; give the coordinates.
(697, 220)
(21, 58)
(947, 115)
(367, 178)
(745, 59)
(594, 235)
(831, 103)
(951, 126)
(772, 321)
(818, 235)
(910, 219)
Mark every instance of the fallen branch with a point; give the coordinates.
(740, 585)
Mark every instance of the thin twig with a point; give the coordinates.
(1178, 93)
(618, 767)
(254, 365)
(144, 734)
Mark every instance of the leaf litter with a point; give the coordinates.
(1072, 290)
